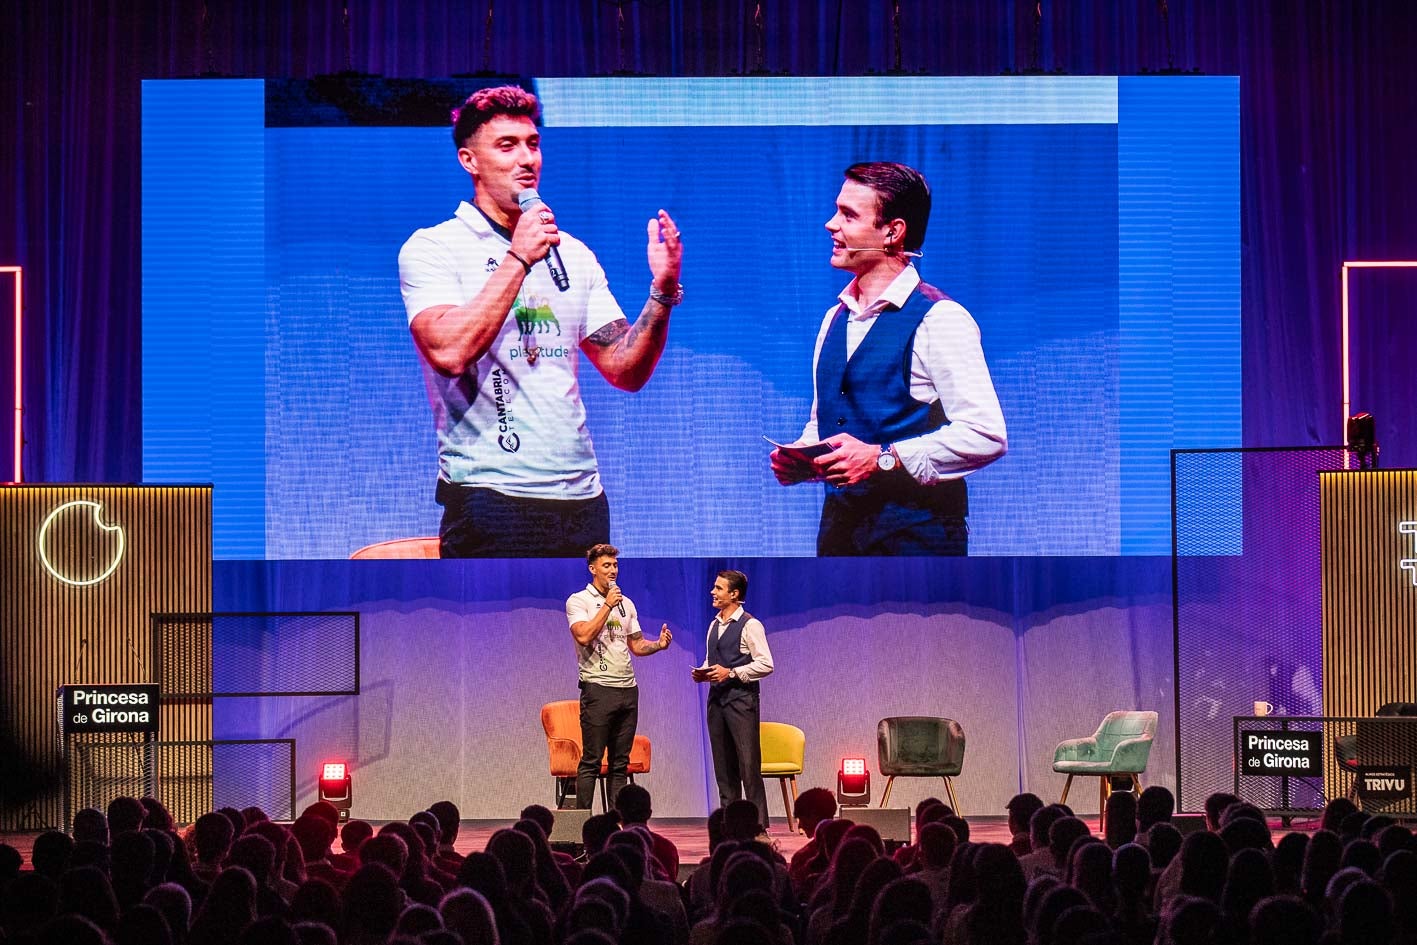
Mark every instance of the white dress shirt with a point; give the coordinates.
(753, 641)
(946, 364)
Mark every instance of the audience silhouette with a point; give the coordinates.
(127, 876)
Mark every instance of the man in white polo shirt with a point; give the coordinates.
(500, 338)
(606, 628)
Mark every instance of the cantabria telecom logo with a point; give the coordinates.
(61, 520)
(1409, 564)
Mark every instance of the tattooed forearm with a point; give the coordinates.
(652, 319)
(610, 334)
(637, 329)
(627, 354)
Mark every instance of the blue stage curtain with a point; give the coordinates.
(1327, 147)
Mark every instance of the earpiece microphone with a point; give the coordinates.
(882, 249)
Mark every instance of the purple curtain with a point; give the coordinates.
(1326, 154)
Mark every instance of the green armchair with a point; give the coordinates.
(1118, 749)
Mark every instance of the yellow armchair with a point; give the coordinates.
(783, 746)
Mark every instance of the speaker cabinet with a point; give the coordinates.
(566, 831)
(892, 823)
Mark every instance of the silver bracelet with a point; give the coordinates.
(668, 301)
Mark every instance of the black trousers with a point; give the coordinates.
(608, 719)
(877, 524)
(737, 749)
(484, 523)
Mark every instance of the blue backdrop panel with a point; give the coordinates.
(1178, 147)
(204, 298)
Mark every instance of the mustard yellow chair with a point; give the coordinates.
(562, 722)
(783, 748)
(400, 548)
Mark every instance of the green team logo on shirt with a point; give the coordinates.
(604, 641)
(534, 317)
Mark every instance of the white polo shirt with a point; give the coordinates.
(514, 422)
(607, 660)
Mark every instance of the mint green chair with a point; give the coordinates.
(1118, 749)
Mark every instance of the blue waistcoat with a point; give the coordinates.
(868, 396)
(727, 651)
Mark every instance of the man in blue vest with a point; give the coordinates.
(903, 397)
(737, 657)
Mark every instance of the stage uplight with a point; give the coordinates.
(336, 787)
(853, 783)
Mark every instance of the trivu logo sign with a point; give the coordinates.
(1409, 564)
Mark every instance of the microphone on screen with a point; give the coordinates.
(621, 605)
(527, 200)
(882, 249)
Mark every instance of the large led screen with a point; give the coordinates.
(1090, 225)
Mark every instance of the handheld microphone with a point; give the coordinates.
(528, 199)
(620, 606)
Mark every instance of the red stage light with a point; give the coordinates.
(853, 783)
(336, 787)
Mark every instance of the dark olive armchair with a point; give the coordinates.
(915, 746)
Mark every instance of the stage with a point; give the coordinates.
(456, 659)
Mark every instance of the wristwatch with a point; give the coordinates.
(887, 460)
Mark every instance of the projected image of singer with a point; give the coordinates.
(904, 406)
(501, 304)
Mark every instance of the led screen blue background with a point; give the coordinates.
(1092, 231)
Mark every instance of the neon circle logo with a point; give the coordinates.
(49, 522)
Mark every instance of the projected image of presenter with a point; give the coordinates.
(903, 404)
(606, 628)
(501, 304)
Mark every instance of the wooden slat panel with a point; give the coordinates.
(1369, 602)
(53, 632)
